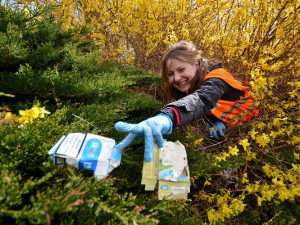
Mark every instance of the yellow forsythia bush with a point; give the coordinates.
(244, 34)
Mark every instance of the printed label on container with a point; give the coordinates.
(71, 145)
(91, 152)
(164, 187)
(177, 190)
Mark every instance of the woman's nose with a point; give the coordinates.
(177, 76)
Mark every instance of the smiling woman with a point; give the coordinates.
(203, 89)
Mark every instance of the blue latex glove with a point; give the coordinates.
(216, 129)
(152, 128)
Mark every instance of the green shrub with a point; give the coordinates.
(79, 91)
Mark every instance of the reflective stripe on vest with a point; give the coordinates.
(233, 112)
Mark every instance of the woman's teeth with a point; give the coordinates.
(182, 83)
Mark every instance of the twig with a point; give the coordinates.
(272, 218)
(87, 122)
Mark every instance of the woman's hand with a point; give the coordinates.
(216, 129)
(152, 128)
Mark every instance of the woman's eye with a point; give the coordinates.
(170, 74)
(181, 69)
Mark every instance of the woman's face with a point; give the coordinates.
(181, 73)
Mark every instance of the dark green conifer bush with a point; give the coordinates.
(42, 62)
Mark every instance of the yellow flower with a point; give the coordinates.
(250, 155)
(261, 125)
(233, 150)
(207, 182)
(226, 211)
(198, 141)
(245, 180)
(253, 134)
(238, 206)
(9, 116)
(28, 115)
(244, 143)
(211, 216)
(259, 200)
(262, 140)
(267, 170)
(250, 188)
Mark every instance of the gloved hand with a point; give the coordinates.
(153, 127)
(216, 129)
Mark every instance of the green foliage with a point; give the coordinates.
(34, 190)
(41, 61)
(13, 50)
(36, 37)
(49, 66)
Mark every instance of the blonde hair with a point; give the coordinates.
(186, 52)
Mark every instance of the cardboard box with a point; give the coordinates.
(86, 151)
(168, 172)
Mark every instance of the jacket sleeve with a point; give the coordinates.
(197, 104)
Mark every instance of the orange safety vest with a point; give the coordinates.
(233, 112)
